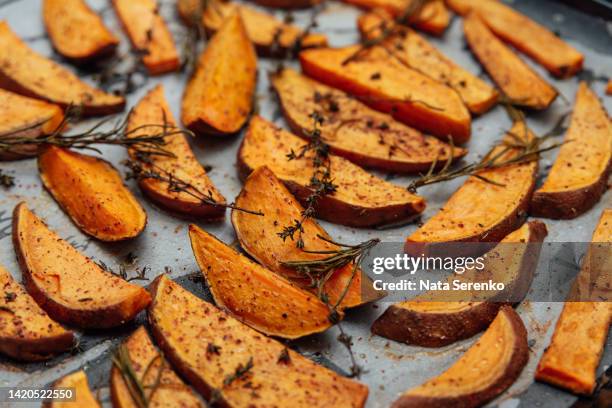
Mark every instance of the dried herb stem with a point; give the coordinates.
(6, 180)
(241, 371)
(136, 387)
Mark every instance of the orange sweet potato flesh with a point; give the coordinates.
(92, 193)
(76, 31)
(578, 178)
(288, 4)
(572, 358)
(219, 96)
(389, 86)
(524, 34)
(153, 109)
(480, 211)
(269, 35)
(439, 318)
(148, 33)
(49, 81)
(483, 372)
(27, 333)
(433, 18)
(254, 294)
(72, 288)
(148, 364)
(83, 397)
(416, 52)
(21, 116)
(186, 328)
(360, 200)
(519, 82)
(258, 236)
(609, 87)
(354, 131)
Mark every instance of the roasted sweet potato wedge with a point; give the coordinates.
(288, 4)
(439, 318)
(417, 53)
(49, 81)
(25, 117)
(354, 131)
(92, 193)
(83, 397)
(26, 332)
(480, 211)
(554, 54)
(579, 176)
(255, 295)
(138, 355)
(269, 35)
(219, 96)
(487, 369)
(259, 237)
(207, 346)
(389, 86)
(149, 34)
(609, 87)
(76, 31)
(572, 358)
(519, 82)
(72, 288)
(154, 110)
(433, 17)
(360, 199)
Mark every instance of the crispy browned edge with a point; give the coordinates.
(336, 211)
(519, 359)
(565, 205)
(95, 318)
(414, 327)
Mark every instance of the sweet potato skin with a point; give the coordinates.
(82, 393)
(92, 193)
(361, 200)
(219, 97)
(429, 106)
(76, 31)
(255, 295)
(517, 80)
(517, 361)
(576, 182)
(153, 109)
(354, 131)
(50, 82)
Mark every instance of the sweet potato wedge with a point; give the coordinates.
(149, 34)
(255, 295)
(259, 237)
(72, 288)
(76, 31)
(486, 369)
(524, 34)
(21, 116)
(27, 333)
(154, 110)
(219, 96)
(572, 358)
(439, 318)
(609, 87)
(92, 193)
(49, 81)
(389, 86)
(288, 4)
(480, 211)
(207, 346)
(147, 364)
(515, 78)
(414, 51)
(83, 397)
(433, 18)
(269, 35)
(579, 176)
(360, 200)
(354, 131)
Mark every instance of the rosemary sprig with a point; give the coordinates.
(6, 180)
(136, 387)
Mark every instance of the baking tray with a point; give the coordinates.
(390, 367)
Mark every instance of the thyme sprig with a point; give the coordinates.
(6, 180)
(135, 385)
(240, 372)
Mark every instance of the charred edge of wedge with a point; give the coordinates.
(518, 360)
